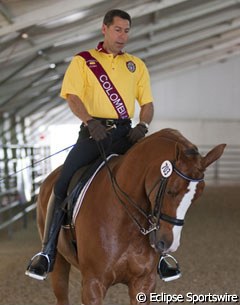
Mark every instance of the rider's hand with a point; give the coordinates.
(97, 131)
(137, 133)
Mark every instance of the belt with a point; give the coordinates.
(112, 122)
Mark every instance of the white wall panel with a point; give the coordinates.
(203, 132)
(203, 103)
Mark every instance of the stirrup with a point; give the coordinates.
(175, 270)
(34, 275)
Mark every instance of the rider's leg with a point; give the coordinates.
(43, 262)
(84, 151)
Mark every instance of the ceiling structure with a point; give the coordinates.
(39, 38)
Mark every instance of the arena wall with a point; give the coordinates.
(203, 103)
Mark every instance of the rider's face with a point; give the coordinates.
(116, 35)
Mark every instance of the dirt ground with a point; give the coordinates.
(209, 257)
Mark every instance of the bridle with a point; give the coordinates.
(156, 215)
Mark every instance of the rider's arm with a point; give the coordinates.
(146, 113)
(78, 108)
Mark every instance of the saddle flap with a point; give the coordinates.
(78, 186)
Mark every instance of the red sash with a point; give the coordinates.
(105, 82)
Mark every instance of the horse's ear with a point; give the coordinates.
(213, 155)
(177, 152)
(179, 148)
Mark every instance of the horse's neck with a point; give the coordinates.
(135, 163)
(151, 148)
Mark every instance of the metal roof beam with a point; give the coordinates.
(216, 33)
(89, 27)
(13, 73)
(46, 13)
(25, 87)
(228, 18)
(6, 13)
(218, 52)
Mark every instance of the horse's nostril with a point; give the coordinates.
(160, 245)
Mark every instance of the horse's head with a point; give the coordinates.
(171, 186)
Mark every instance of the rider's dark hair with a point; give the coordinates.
(108, 18)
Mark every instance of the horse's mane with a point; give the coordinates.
(175, 135)
(172, 135)
(154, 144)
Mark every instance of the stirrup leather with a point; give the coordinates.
(37, 276)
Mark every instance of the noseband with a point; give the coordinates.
(166, 169)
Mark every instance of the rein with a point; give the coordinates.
(117, 189)
(154, 218)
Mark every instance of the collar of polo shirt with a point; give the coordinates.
(100, 48)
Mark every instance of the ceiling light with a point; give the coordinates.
(52, 66)
(25, 36)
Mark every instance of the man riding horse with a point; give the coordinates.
(100, 86)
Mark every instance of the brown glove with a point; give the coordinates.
(97, 131)
(137, 133)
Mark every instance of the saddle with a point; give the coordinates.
(76, 186)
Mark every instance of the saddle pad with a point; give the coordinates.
(85, 188)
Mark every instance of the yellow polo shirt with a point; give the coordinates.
(127, 72)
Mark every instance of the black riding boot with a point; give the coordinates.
(42, 263)
(168, 271)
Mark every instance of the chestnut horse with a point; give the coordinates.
(147, 190)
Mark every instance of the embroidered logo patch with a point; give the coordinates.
(166, 169)
(131, 66)
(91, 63)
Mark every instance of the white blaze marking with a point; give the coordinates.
(180, 214)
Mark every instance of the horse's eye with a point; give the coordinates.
(171, 193)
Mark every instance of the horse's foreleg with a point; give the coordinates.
(93, 291)
(60, 280)
(140, 288)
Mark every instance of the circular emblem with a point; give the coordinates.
(166, 169)
(131, 66)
